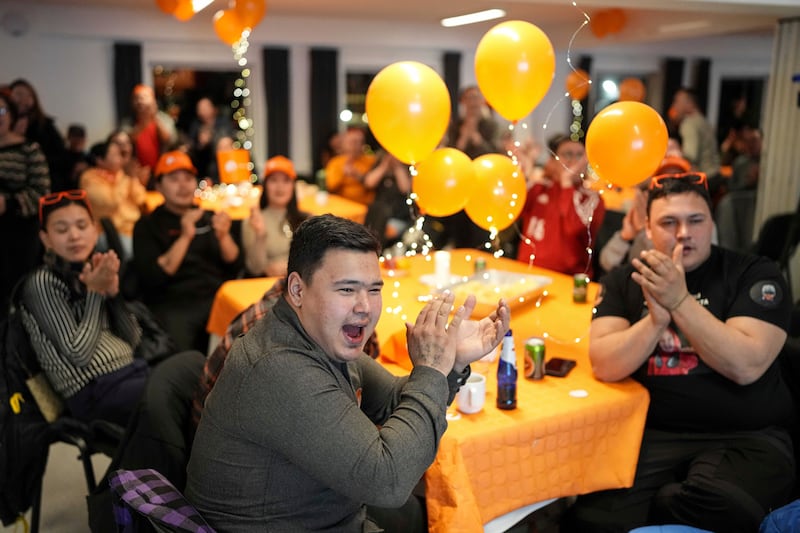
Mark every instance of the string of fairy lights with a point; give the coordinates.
(242, 100)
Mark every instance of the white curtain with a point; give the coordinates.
(779, 182)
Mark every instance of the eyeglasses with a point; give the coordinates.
(695, 178)
(570, 156)
(54, 198)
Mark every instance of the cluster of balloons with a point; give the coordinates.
(229, 24)
(408, 106)
(491, 189)
(625, 143)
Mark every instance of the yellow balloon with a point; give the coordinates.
(444, 182)
(626, 142)
(499, 193)
(514, 66)
(408, 109)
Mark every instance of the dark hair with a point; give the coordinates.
(13, 113)
(690, 92)
(47, 209)
(293, 214)
(555, 141)
(317, 235)
(670, 187)
(98, 151)
(76, 130)
(37, 113)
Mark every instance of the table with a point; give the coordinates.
(315, 204)
(568, 436)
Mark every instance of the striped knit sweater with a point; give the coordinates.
(77, 335)
(24, 177)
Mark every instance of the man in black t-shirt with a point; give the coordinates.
(700, 327)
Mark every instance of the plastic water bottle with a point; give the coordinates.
(507, 374)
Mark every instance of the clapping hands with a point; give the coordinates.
(101, 273)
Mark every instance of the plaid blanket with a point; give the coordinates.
(151, 495)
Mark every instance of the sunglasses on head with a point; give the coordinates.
(695, 178)
(56, 197)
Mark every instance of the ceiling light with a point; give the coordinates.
(684, 26)
(472, 18)
(199, 5)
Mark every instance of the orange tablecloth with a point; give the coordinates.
(332, 203)
(568, 436)
(232, 298)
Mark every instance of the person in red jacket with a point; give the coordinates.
(560, 220)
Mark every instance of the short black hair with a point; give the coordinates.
(98, 151)
(76, 130)
(317, 235)
(669, 187)
(556, 140)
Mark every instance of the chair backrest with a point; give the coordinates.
(152, 496)
(772, 236)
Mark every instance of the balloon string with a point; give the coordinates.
(566, 95)
(586, 20)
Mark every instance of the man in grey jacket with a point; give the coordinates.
(302, 429)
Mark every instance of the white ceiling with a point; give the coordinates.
(647, 20)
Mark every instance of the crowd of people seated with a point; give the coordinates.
(80, 244)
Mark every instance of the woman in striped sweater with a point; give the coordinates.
(77, 321)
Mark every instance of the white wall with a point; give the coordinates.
(67, 54)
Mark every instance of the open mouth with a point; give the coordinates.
(354, 334)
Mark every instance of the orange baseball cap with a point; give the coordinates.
(279, 164)
(172, 161)
(673, 164)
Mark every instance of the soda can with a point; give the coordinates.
(534, 358)
(579, 288)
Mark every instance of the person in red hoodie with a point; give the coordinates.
(560, 220)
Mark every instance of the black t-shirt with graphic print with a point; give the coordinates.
(686, 394)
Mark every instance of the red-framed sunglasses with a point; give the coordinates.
(695, 178)
(55, 197)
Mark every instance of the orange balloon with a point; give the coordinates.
(228, 26)
(631, 89)
(499, 193)
(626, 142)
(250, 12)
(600, 23)
(184, 10)
(167, 6)
(616, 20)
(408, 109)
(514, 66)
(444, 182)
(578, 84)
